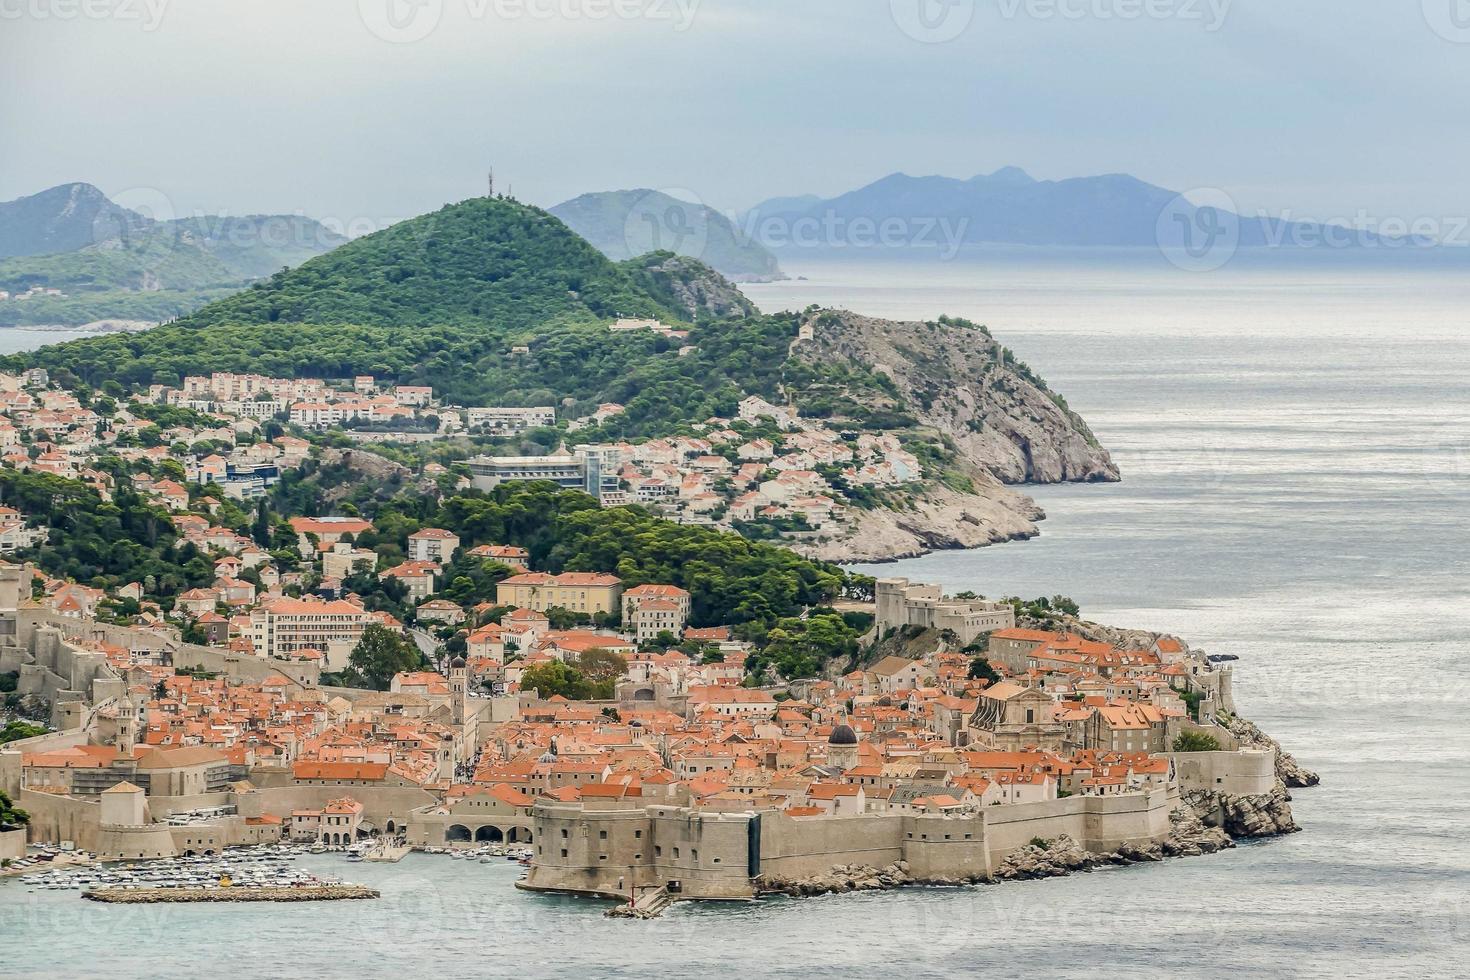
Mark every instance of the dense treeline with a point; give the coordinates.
(730, 579)
(488, 301)
(472, 365)
(491, 262)
(100, 543)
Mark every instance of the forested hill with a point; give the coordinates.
(490, 302)
(106, 262)
(487, 261)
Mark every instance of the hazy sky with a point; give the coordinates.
(340, 109)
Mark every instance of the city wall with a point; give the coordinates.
(56, 818)
(39, 645)
(12, 754)
(276, 793)
(1098, 823)
(1246, 772)
(620, 847)
(12, 844)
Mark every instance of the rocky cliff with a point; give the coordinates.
(1243, 817)
(942, 519)
(950, 383)
(688, 285)
(1291, 773)
(954, 377)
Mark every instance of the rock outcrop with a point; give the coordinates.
(991, 418)
(1244, 817)
(1048, 859)
(632, 912)
(1292, 774)
(689, 286)
(369, 468)
(841, 879)
(944, 519)
(954, 377)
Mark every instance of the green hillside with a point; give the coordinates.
(158, 270)
(159, 257)
(626, 224)
(443, 299)
(491, 262)
(112, 304)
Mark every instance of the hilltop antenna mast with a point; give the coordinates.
(491, 183)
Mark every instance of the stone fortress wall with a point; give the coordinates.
(42, 646)
(1245, 772)
(617, 848)
(899, 604)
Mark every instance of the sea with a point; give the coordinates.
(1294, 439)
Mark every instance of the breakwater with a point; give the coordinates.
(313, 893)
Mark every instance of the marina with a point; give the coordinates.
(265, 873)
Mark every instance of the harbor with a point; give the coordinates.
(253, 874)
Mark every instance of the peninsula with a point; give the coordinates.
(462, 536)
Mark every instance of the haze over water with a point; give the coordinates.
(1295, 445)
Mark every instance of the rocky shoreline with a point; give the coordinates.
(141, 896)
(1205, 822)
(1292, 774)
(945, 520)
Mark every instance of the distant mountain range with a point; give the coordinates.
(61, 219)
(110, 263)
(1011, 207)
(625, 224)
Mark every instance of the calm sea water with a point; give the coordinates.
(14, 340)
(1295, 447)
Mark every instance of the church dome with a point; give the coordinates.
(842, 735)
(457, 663)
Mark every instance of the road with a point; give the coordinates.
(427, 644)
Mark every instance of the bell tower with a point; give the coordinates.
(130, 717)
(458, 689)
